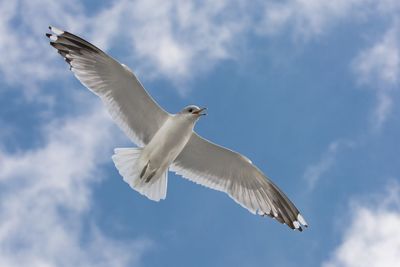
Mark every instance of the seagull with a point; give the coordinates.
(167, 142)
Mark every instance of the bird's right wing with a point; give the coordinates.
(131, 107)
(224, 170)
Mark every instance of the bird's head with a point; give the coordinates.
(193, 112)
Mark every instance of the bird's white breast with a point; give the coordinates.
(168, 142)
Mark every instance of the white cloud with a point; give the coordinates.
(378, 67)
(174, 39)
(307, 18)
(373, 236)
(25, 52)
(380, 64)
(46, 195)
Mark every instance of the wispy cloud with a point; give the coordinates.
(307, 18)
(314, 173)
(22, 45)
(46, 194)
(173, 39)
(379, 64)
(382, 110)
(378, 67)
(373, 236)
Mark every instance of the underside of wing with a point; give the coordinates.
(224, 170)
(131, 107)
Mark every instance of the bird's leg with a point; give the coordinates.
(144, 170)
(150, 176)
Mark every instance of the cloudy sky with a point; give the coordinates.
(307, 89)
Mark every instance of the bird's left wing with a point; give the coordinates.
(131, 107)
(224, 170)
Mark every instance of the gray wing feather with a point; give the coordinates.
(128, 103)
(224, 170)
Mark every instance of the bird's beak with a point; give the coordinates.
(200, 112)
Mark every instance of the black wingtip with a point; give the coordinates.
(48, 35)
(54, 44)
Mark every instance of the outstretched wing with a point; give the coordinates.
(224, 170)
(131, 107)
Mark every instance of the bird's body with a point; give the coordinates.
(167, 142)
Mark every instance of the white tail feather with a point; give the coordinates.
(125, 159)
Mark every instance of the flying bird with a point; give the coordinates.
(168, 142)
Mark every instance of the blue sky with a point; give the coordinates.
(308, 90)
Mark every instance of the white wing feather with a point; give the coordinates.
(131, 107)
(224, 170)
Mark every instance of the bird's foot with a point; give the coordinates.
(144, 170)
(150, 176)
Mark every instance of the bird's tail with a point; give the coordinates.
(127, 162)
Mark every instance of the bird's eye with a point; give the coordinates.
(190, 110)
